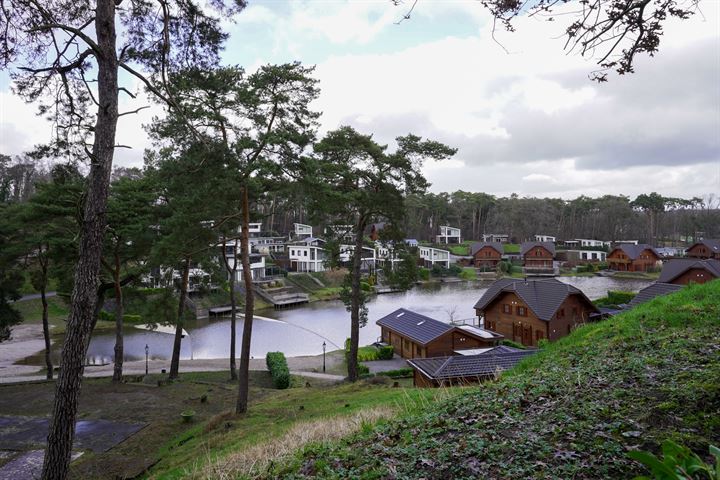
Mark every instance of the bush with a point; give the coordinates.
(362, 369)
(510, 343)
(385, 353)
(543, 342)
(455, 269)
(423, 273)
(399, 373)
(277, 364)
(365, 287)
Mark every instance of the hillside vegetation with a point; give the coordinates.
(572, 411)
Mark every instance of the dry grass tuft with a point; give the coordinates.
(256, 459)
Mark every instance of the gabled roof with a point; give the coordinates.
(713, 245)
(477, 246)
(634, 251)
(468, 366)
(527, 246)
(674, 268)
(655, 290)
(543, 297)
(414, 326)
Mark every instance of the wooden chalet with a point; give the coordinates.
(682, 271)
(414, 335)
(465, 369)
(633, 258)
(527, 311)
(704, 249)
(656, 289)
(486, 255)
(537, 255)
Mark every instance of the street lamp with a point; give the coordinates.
(147, 353)
(324, 356)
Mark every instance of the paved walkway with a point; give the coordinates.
(156, 366)
(377, 366)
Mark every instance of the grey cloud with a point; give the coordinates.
(666, 114)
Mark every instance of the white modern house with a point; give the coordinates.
(368, 256)
(434, 256)
(267, 244)
(592, 255)
(257, 262)
(302, 230)
(591, 243)
(340, 232)
(625, 242)
(495, 237)
(545, 238)
(448, 235)
(254, 228)
(306, 257)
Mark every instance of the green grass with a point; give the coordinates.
(328, 293)
(274, 416)
(511, 247)
(468, 273)
(31, 310)
(574, 410)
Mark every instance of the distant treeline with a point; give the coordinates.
(648, 218)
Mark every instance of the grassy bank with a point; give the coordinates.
(227, 446)
(572, 411)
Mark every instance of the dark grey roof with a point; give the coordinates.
(526, 246)
(654, 290)
(543, 297)
(634, 251)
(415, 326)
(497, 246)
(469, 366)
(674, 268)
(712, 244)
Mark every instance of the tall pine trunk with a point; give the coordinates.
(244, 373)
(84, 294)
(175, 362)
(46, 328)
(119, 311)
(355, 301)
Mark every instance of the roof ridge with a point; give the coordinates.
(445, 363)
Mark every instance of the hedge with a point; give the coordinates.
(399, 373)
(277, 364)
(110, 317)
(386, 352)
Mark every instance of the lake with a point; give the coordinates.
(303, 329)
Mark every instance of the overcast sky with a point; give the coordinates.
(528, 121)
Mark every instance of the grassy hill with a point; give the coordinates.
(572, 411)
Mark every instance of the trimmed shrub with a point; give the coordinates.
(363, 369)
(277, 364)
(399, 373)
(385, 353)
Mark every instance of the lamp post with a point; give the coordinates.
(147, 354)
(324, 356)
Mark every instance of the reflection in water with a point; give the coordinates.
(302, 330)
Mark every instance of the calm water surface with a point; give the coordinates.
(302, 330)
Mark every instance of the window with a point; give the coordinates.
(522, 311)
(305, 253)
(506, 308)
